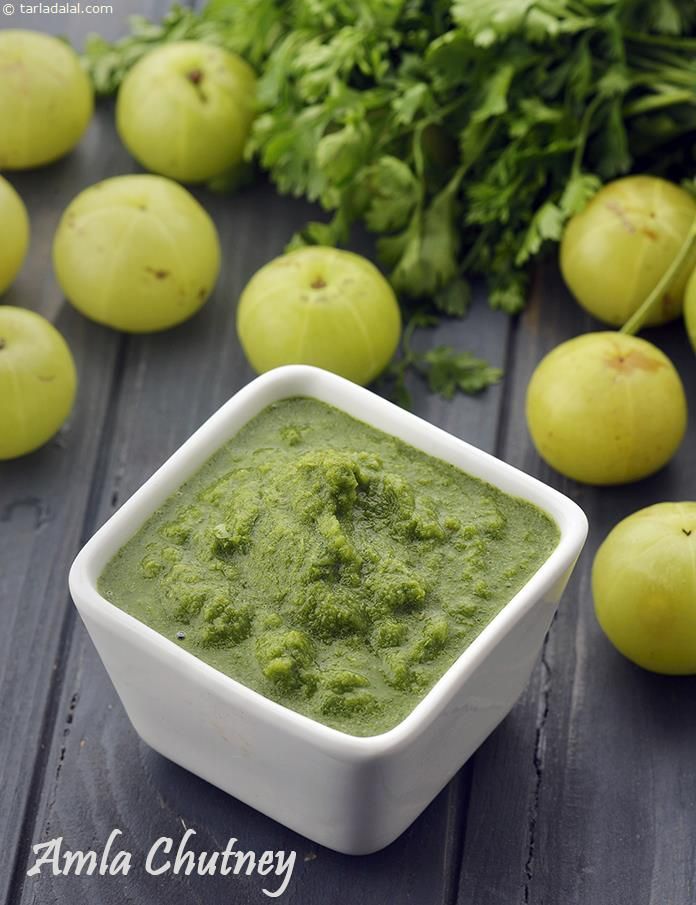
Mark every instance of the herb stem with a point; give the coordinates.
(584, 133)
(673, 42)
(637, 320)
(657, 101)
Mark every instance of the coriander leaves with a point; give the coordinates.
(445, 370)
(465, 134)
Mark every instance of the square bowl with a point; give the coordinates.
(352, 794)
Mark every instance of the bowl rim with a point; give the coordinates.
(304, 380)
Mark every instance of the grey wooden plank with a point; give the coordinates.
(586, 793)
(45, 498)
(99, 774)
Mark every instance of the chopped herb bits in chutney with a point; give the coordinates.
(329, 566)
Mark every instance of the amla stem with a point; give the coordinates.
(637, 320)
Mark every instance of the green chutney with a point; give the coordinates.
(329, 566)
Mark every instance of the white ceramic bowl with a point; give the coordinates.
(352, 794)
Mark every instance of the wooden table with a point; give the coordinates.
(585, 794)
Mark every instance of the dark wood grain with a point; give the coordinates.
(46, 499)
(587, 792)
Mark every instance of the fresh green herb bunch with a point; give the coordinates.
(463, 134)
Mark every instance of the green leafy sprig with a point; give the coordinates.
(445, 370)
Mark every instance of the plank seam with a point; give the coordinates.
(507, 394)
(50, 716)
(538, 761)
(456, 830)
(452, 889)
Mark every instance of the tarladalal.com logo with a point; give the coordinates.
(58, 9)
